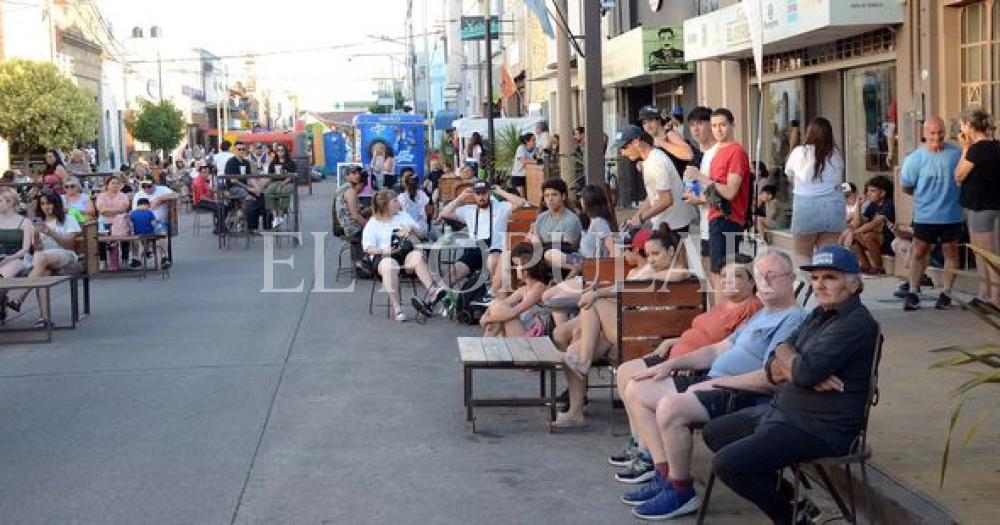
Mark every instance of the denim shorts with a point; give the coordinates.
(813, 214)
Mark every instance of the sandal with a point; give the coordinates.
(42, 323)
(565, 420)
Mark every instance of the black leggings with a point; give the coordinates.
(749, 456)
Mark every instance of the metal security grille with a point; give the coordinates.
(867, 44)
(980, 55)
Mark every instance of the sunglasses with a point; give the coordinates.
(241, 149)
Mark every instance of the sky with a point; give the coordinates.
(320, 77)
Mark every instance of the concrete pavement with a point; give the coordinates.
(199, 399)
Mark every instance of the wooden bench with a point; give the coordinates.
(510, 353)
(651, 311)
(44, 283)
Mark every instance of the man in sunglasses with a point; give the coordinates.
(239, 164)
(159, 197)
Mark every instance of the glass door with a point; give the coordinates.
(870, 123)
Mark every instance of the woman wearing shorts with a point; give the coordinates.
(816, 170)
(980, 194)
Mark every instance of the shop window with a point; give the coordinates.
(871, 124)
(980, 55)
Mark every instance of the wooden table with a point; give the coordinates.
(511, 353)
(44, 283)
(105, 239)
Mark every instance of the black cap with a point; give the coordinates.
(650, 113)
(630, 133)
(481, 187)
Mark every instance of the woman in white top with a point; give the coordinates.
(414, 200)
(74, 198)
(474, 149)
(55, 238)
(816, 170)
(388, 238)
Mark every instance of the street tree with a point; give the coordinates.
(40, 107)
(159, 125)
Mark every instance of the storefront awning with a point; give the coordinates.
(787, 25)
(643, 55)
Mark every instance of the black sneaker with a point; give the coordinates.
(943, 302)
(622, 459)
(903, 290)
(912, 302)
(135, 264)
(640, 471)
(165, 263)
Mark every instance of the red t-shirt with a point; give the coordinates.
(732, 159)
(714, 326)
(201, 189)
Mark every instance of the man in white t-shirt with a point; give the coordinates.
(158, 197)
(222, 157)
(664, 187)
(486, 220)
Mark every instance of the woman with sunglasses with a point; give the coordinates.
(54, 172)
(77, 200)
(55, 239)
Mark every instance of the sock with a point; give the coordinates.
(682, 486)
(662, 469)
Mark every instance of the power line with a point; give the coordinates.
(262, 53)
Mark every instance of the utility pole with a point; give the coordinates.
(593, 93)
(159, 73)
(564, 103)
(490, 132)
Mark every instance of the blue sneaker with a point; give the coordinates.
(668, 504)
(647, 491)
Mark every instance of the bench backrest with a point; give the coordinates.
(604, 271)
(86, 248)
(650, 311)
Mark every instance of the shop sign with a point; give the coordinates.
(643, 51)
(474, 28)
(725, 33)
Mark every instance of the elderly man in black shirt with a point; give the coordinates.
(823, 376)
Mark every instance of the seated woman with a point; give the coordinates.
(16, 234)
(414, 200)
(598, 327)
(517, 314)
(75, 199)
(716, 324)
(55, 237)
(631, 250)
(278, 196)
(387, 237)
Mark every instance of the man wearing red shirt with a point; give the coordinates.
(727, 187)
(201, 195)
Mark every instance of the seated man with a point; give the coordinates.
(823, 378)
(486, 219)
(662, 406)
(869, 235)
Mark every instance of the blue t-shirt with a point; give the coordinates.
(935, 192)
(755, 340)
(142, 222)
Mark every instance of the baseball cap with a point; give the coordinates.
(636, 238)
(630, 133)
(677, 112)
(146, 182)
(649, 113)
(481, 187)
(834, 257)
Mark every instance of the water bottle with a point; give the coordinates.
(101, 225)
(694, 186)
(447, 233)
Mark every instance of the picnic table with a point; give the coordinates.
(510, 353)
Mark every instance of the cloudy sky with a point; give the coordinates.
(321, 77)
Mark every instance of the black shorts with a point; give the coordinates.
(938, 233)
(518, 181)
(719, 231)
(653, 360)
(473, 258)
(717, 401)
(704, 248)
(683, 382)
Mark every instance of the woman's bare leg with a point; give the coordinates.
(389, 270)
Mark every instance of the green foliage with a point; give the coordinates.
(508, 138)
(988, 357)
(399, 101)
(444, 146)
(159, 125)
(41, 107)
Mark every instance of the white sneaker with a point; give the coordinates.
(401, 316)
(278, 221)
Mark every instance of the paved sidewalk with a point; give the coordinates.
(199, 399)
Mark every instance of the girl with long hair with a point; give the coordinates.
(816, 170)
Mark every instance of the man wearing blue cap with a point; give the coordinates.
(822, 375)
